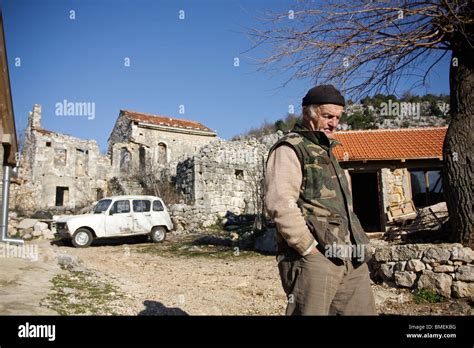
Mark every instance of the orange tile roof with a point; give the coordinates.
(165, 121)
(390, 144)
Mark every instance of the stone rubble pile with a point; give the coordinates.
(27, 228)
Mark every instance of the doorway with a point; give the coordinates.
(62, 195)
(142, 159)
(365, 198)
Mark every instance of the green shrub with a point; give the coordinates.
(425, 295)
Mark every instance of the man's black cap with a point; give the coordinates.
(324, 94)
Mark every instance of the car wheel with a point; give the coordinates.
(82, 238)
(158, 234)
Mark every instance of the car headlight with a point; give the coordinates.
(61, 226)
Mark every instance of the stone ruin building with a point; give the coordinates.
(58, 170)
(141, 142)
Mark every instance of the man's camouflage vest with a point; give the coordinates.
(325, 199)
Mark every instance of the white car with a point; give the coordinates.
(118, 216)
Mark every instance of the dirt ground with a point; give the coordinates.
(177, 277)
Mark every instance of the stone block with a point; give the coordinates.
(415, 266)
(400, 266)
(48, 234)
(405, 279)
(27, 223)
(439, 283)
(465, 273)
(462, 254)
(383, 254)
(461, 289)
(40, 226)
(386, 270)
(407, 252)
(437, 254)
(444, 269)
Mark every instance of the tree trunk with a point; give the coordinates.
(458, 145)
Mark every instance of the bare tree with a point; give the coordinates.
(156, 180)
(255, 184)
(369, 46)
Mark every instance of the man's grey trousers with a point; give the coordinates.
(316, 285)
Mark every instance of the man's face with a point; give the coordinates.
(327, 119)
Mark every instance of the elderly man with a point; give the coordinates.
(322, 248)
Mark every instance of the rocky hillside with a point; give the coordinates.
(377, 112)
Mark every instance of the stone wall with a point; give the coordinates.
(189, 218)
(185, 174)
(224, 177)
(120, 133)
(445, 269)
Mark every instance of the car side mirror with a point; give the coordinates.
(111, 212)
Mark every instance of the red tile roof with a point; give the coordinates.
(390, 144)
(165, 121)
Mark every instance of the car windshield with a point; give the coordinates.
(102, 206)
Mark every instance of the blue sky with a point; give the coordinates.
(173, 62)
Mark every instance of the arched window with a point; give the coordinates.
(162, 155)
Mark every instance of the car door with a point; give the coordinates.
(142, 222)
(160, 217)
(119, 220)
